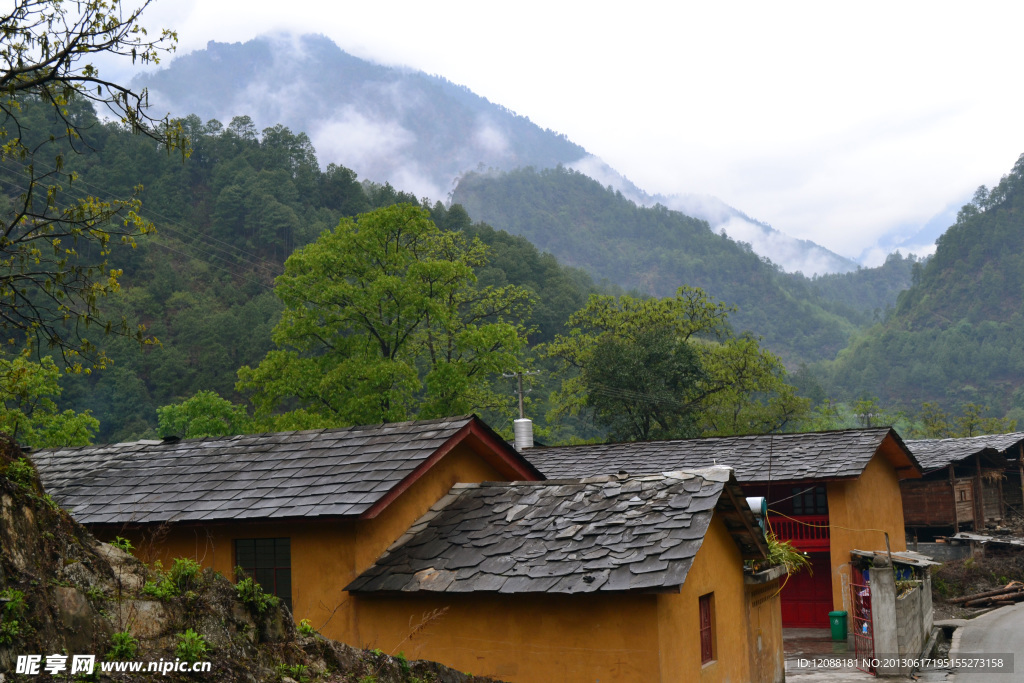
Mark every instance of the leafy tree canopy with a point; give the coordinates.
(28, 410)
(730, 386)
(204, 414)
(644, 387)
(935, 423)
(383, 321)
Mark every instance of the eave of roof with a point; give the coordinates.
(491, 443)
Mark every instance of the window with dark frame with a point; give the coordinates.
(707, 628)
(810, 501)
(269, 562)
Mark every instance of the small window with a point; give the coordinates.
(810, 501)
(707, 628)
(269, 562)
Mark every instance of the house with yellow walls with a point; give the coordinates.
(303, 512)
(828, 493)
(661, 593)
(614, 578)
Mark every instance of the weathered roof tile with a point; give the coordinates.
(758, 458)
(936, 453)
(536, 546)
(286, 474)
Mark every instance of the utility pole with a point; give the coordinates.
(519, 376)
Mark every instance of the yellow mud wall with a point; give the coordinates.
(717, 568)
(325, 554)
(321, 552)
(521, 638)
(859, 511)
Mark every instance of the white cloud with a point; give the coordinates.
(490, 139)
(356, 141)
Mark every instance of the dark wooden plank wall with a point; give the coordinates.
(928, 503)
(992, 498)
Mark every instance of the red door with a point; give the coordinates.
(807, 597)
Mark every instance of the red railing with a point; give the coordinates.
(805, 532)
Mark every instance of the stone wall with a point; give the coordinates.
(910, 624)
(901, 625)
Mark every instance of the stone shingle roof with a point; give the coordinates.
(936, 453)
(758, 458)
(323, 472)
(601, 534)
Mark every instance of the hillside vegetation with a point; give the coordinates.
(229, 215)
(226, 219)
(415, 130)
(957, 335)
(655, 250)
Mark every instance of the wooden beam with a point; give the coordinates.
(979, 496)
(1020, 469)
(755, 531)
(952, 492)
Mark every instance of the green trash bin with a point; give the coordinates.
(838, 623)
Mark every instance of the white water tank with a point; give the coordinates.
(522, 429)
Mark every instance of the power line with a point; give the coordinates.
(227, 253)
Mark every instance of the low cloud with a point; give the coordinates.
(373, 146)
(491, 139)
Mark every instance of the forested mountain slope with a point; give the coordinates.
(226, 219)
(417, 131)
(957, 335)
(656, 250)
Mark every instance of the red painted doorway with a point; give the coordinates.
(807, 597)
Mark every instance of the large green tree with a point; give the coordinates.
(732, 385)
(55, 237)
(383, 321)
(646, 386)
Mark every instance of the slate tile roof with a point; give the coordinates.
(324, 472)
(580, 536)
(839, 454)
(936, 453)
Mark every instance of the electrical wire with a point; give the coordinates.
(227, 254)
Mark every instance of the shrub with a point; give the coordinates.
(122, 647)
(123, 544)
(178, 580)
(306, 628)
(21, 472)
(254, 597)
(295, 671)
(12, 614)
(191, 646)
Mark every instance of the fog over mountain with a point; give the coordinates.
(416, 131)
(794, 255)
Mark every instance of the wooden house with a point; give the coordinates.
(828, 493)
(965, 483)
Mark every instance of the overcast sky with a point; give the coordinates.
(844, 123)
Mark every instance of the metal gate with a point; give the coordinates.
(863, 635)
